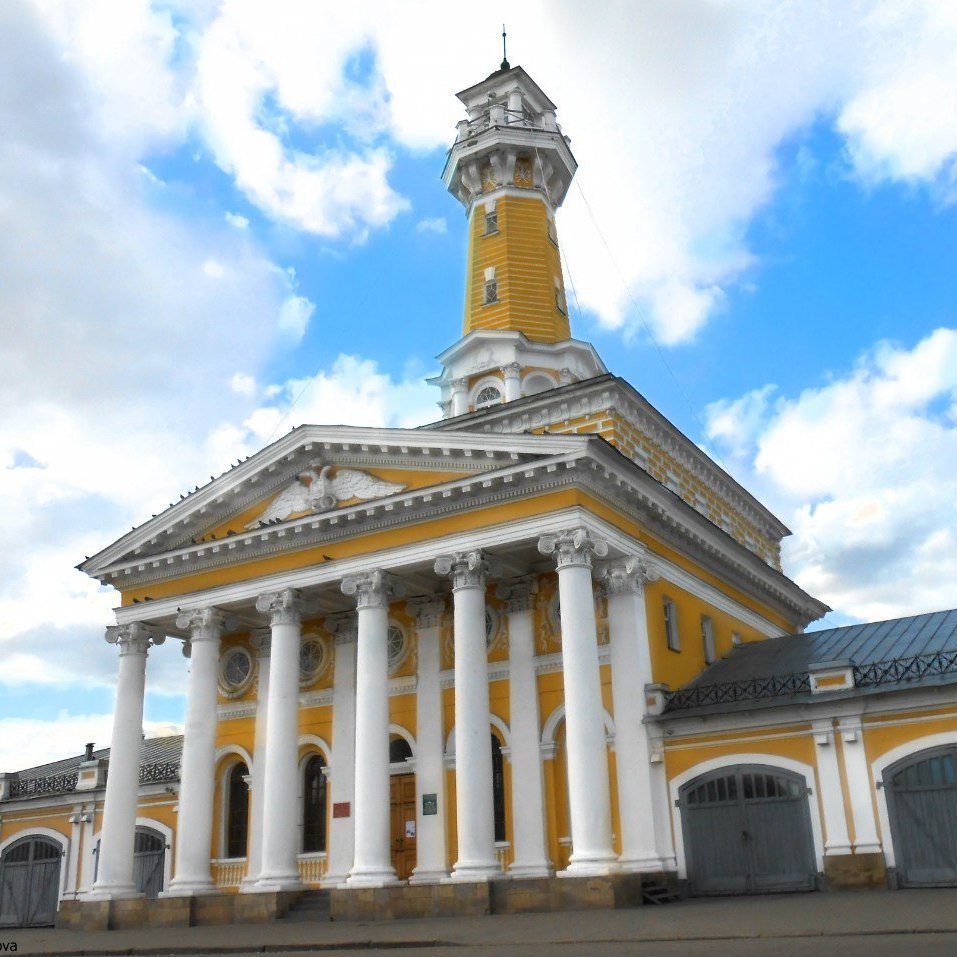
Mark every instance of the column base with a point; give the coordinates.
(599, 865)
(113, 892)
(640, 865)
(334, 880)
(518, 871)
(372, 877)
(279, 882)
(868, 848)
(188, 888)
(472, 872)
(428, 877)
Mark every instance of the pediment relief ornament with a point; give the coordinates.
(321, 488)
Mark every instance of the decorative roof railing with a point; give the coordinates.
(50, 784)
(889, 671)
(755, 689)
(905, 669)
(159, 773)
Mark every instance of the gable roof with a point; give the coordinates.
(165, 750)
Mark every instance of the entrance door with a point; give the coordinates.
(30, 883)
(922, 802)
(747, 830)
(149, 854)
(403, 824)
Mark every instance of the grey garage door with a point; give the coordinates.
(29, 883)
(747, 830)
(922, 802)
(149, 860)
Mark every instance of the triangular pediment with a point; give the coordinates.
(316, 471)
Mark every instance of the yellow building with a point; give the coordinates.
(523, 648)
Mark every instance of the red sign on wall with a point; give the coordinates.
(341, 809)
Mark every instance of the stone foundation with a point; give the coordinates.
(203, 911)
(855, 871)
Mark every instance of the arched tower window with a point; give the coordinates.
(237, 810)
(498, 789)
(490, 395)
(314, 805)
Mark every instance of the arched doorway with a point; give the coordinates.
(747, 830)
(149, 861)
(922, 806)
(30, 882)
(402, 804)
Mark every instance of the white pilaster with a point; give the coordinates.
(261, 640)
(280, 833)
(837, 841)
(342, 775)
(115, 870)
(431, 850)
(630, 671)
(530, 857)
(474, 812)
(194, 825)
(589, 796)
(372, 866)
(859, 785)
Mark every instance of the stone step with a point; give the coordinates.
(311, 905)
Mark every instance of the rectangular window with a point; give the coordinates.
(707, 639)
(671, 624)
(491, 292)
(491, 222)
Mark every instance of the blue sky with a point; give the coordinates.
(226, 220)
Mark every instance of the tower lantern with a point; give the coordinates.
(510, 167)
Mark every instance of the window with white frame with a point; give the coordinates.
(491, 286)
(560, 300)
(671, 624)
(491, 219)
(488, 395)
(707, 639)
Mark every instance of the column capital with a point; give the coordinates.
(427, 610)
(261, 640)
(283, 607)
(134, 638)
(518, 594)
(466, 569)
(626, 577)
(371, 589)
(573, 546)
(511, 370)
(343, 627)
(204, 624)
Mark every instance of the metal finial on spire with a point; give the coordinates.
(505, 64)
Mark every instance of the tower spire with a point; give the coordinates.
(505, 64)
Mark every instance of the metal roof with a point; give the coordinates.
(166, 750)
(926, 646)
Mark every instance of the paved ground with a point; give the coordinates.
(849, 924)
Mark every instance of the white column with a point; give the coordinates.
(261, 640)
(513, 382)
(431, 846)
(530, 857)
(630, 671)
(342, 772)
(372, 866)
(474, 812)
(459, 397)
(194, 824)
(280, 843)
(589, 795)
(859, 784)
(115, 870)
(837, 841)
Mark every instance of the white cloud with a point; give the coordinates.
(862, 469)
(294, 315)
(243, 384)
(237, 221)
(436, 224)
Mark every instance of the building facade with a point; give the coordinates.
(468, 652)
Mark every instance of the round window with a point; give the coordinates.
(235, 672)
(313, 658)
(490, 395)
(398, 646)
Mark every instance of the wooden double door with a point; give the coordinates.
(403, 824)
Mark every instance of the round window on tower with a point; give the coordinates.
(235, 672)
(489, 395)
(313, 660)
